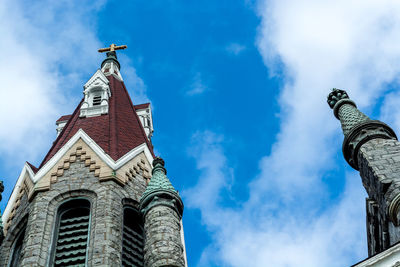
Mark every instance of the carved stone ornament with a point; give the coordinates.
(339, 97)
(357, 127)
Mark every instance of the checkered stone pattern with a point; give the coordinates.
(350, 116)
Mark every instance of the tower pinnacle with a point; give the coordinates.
(162, 210)
(371, 147)
(357, 127)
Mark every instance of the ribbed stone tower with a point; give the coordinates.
(371, 147)
(162, 210)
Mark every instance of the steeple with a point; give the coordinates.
(91, 202)
(357, 127)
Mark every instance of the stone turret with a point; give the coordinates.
(371, 147)
(162, 210)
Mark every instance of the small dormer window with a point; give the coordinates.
(97, 93)
(144, 113)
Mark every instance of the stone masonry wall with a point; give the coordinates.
(163, 246)
(379, 165)
(106, 216)
(20, 220)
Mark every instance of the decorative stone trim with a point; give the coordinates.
(362, 133)
(41, 180)
(78, 155)
(139, 169)
(162, 198)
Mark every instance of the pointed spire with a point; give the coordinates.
(160, 191)
(159, 181)
(345, 110)
(162, 210)
(357, 127)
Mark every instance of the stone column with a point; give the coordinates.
(162, 210)
(371, 147)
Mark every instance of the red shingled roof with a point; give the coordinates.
(34, 169)
(117, 132)
(142, 106)
(64, 118)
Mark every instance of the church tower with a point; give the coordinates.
(100, 197)
(372, 148)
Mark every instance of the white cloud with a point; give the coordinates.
(197, 86)
(49, 52)
(235, 48)
(259, 235)
(316, 45)
(137, 88)
(37, 42)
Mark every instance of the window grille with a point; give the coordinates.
(96, 100)
(132, 238)
(72, 233)
(16, 255)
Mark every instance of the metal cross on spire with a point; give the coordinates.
(112, 48)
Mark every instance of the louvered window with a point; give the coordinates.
(72, 233)
(132, 238)
(96, 100)
(16, 255)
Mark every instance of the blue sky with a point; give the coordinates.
(238, 90)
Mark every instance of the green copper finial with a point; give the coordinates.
(159, 180)
(160, 191)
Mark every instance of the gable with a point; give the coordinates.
(80, 145)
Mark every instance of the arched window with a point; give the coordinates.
(16, 251)
(71, 234)
(132, 238)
